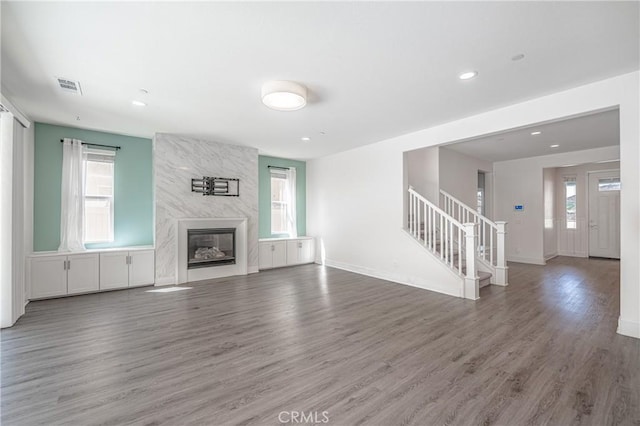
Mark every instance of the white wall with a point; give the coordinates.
(7, 291)
(575, 242)
(29, 160)
(550, 234)
(423, 172)
(357, 211)
(12, 219)
(459, 177)
(521, 182)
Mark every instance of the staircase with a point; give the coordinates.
(469, 244)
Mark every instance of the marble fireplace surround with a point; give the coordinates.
(239, 268)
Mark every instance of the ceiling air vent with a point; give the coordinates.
(71, 86)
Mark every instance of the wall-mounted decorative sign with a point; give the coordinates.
(226, 187)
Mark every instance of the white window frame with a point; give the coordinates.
(100, 155)
(279, 174)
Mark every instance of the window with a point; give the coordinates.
(609, 184)
(283, 201)
(278, 202)
(570, 202)
(480, 194)
(98, 200)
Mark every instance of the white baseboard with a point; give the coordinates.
(389, 277)
(572, 254)
(550, 256)
(252, 270)
(530, 260)
(629, 328)
(165, 281)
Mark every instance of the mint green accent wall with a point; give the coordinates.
(133, 191)
(264, 194)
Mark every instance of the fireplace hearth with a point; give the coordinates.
(211, 247)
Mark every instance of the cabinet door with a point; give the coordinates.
(265, 255)
(142, 267)
(279, 253)
(306, 252)
(114, 270)
(48, 276)
(293, 252)
(83, 273)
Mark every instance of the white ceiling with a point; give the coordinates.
(574, 134)
(375, 69)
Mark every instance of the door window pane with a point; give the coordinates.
(609, 184)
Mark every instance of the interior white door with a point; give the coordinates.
(604, 214)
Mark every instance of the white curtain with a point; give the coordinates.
(72, 206)
(290, 196)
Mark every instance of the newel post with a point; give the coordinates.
(501, 262)
(471, 280)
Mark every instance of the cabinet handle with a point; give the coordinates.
(273, 248)
(299, 245)
(68, 265)
(64, 265)
(130, 260)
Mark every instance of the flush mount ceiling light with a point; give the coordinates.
(284, 95)
(536, 133)
(468, 75)
(554, 146)
(138, 103)
(305, 139)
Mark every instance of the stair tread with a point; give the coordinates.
(484, 275)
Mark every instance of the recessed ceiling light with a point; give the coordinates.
(517, 57)
(467, 75)
(536, 133)
(554, 146)
(284, 95)
(138, 103)
(306, 139)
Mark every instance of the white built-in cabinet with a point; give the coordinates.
(67, 274)
(272, 254)
(278, 252)
(126, 269)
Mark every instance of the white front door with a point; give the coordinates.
(604, 214)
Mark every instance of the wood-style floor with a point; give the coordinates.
(241, 350)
